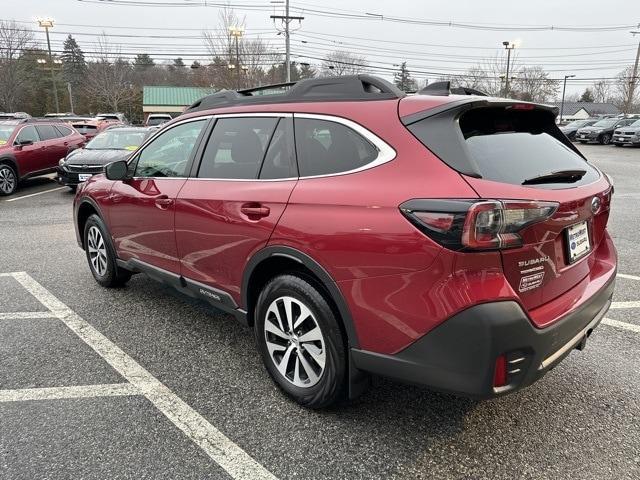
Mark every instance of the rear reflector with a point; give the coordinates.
(500, 372)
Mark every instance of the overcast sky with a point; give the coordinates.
(383, 43)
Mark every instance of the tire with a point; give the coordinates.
(605, 139)
(101, 255)
(73, 188)
(303, 376)
(8, 180)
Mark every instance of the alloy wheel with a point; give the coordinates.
(7, 180)
(295, 342)
(97, 251)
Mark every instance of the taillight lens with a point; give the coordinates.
(481, 225)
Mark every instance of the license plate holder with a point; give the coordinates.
(83, 177)
(577, 241)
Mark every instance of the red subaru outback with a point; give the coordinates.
(453, 241)
(31, 147)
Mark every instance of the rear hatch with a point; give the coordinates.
(514, 155)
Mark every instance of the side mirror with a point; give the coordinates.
(24, 143)
(117, 170)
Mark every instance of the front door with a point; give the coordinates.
(142, 210)
(229, 209)
(30, 155)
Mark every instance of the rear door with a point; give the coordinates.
(515, 155)
(514, 152)
(230, 206)
(54, 148)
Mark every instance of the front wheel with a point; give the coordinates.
(101, 255)
(300, 340)
(8, 180)
(605, 139)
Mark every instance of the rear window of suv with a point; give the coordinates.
(506, 145)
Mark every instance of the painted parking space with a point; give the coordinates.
(136, 382)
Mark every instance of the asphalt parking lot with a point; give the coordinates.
(142, 383)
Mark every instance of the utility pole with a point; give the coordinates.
(237, 32)
(286, 21)
(508, 46)
(70, 97)
(564, 87)
(46, 24)
(634, 76)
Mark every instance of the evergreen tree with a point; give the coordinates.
(403, 80)
(587, 96)
(143, 62)
(74, 66)
(178, 63)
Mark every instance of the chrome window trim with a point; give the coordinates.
(385, 152)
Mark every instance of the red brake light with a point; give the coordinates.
(523, 106)
(481, 225)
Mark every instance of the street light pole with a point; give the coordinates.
(564, 87)
(70, 97)
(632, 82)
(237, 32)
(46, 24)
(508, 46)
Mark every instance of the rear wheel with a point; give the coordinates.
(8, 179)
(300, 341)
(605, 139)
(101, 254)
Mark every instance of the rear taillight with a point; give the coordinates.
(476, 225)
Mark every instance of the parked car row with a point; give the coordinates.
(619, 131)
(32, 147)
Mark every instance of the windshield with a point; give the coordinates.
(116, 140)
(5, 133)
(153, 121)
(605, 123)
(635, 124)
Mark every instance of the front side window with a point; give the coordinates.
(28, 134)
(168, 154)
(237, 147)
(325, 147)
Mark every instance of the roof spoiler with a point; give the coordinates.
(444, 89)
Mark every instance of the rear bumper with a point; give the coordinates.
(459, 355)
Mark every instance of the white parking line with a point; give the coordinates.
(79, 391)
(623, 325)
(34, 194)
(629, 277)
(24, 315)
(212, 441)
(617, 305)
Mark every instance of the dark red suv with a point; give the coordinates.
(31, 147)
(453, 241)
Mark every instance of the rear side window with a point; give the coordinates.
(503, 144)
(64, 131)
(325, 147)
(28, 134)
(237, 147)
(47, 132)
(85, 128)
(279, 161)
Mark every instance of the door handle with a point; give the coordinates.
(254, 210)
(163, 202)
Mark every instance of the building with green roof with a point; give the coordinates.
(172, 100)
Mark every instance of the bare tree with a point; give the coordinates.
(621, 90)
(534, 84)
(601, 91)
(343, 63)
(246, 58)
(13, 40)
(109, 79)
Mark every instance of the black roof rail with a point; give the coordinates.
(328, 89)
(444, 89)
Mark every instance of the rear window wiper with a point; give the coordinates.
(561, 176)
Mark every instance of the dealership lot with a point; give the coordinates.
(141, 382)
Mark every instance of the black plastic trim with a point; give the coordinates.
(11, 160)
(343, 88)
(318, 271)
(214, 296)
(94, 205)
(459, 355)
